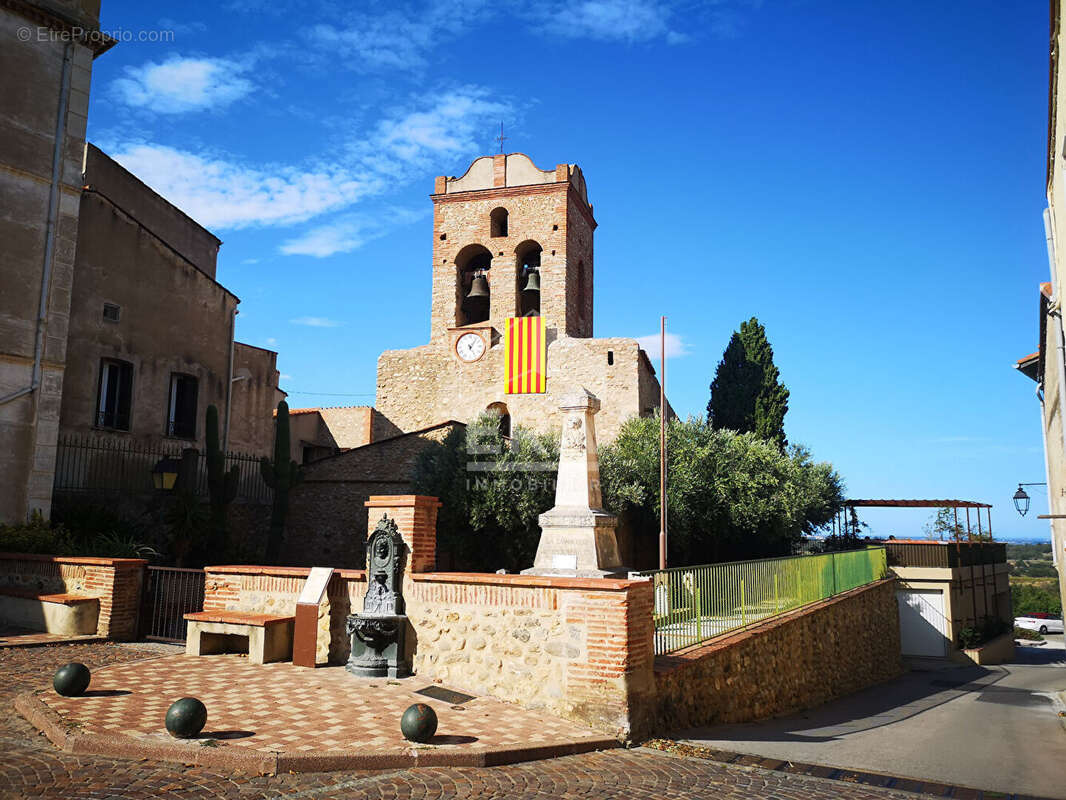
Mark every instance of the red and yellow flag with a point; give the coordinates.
(527, 357)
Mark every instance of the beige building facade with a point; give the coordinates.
(502, 222)
(47, 66)
(151, 330)
(1047, 366)
(944, 588)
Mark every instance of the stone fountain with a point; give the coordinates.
(379, 633)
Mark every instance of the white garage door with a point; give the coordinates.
(922, 625)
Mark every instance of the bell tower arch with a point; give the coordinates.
(487, 227)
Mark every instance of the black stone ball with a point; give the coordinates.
(419, 723)
(186, 718)
(71, 679)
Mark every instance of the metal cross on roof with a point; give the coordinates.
(501, 138)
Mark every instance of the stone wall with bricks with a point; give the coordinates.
(579, 648)
(583, 648)
(791, 662)
(116, 582)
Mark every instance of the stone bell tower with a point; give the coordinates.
(511, 311)
(504, 220)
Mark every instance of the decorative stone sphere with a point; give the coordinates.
(419, 723)
(71, 679)
(186, 718)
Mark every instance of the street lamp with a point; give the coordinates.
(1021, 497)
(165, 473)
(1021, 500)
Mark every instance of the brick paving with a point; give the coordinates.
(30, 767)
(292, 711)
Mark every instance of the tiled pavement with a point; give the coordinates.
(286, 709)
(30, 767)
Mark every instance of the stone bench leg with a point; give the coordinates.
(271, 643)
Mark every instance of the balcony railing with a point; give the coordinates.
(945, 554)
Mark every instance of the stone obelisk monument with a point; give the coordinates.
(577, 536)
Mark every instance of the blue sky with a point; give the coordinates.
(867, 179)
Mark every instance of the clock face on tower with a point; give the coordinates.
(470, 347)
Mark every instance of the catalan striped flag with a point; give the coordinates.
(527, 357)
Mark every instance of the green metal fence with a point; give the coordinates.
(693, 604)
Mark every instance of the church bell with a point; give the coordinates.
(479, 287)
(533, 283)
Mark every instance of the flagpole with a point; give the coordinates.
(662, 443)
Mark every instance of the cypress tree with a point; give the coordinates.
(747, 394)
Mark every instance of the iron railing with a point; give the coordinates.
(694, 604)
(108, 464)
(170, 594)
(945, 554)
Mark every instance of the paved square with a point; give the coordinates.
(278, 707)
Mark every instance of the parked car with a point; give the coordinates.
(1043, 623)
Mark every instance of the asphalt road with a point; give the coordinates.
(993, 728)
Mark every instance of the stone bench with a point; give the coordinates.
(269, 637)
(51, 612)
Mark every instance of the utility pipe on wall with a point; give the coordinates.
(50, 225)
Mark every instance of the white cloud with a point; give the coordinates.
(347, 233)
(339, 237)
(285, 377)
(222, 194)
(395, 39)
(317, 322)
(675, 345)
(179, 85)
(271, 340)
(625, 20)
(447, 125)
(250, 261)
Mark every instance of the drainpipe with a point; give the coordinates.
(229, 379)
(50, 228)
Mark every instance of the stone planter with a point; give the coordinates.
(994, 651)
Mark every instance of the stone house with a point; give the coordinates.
(315, 433)
(112, 322)
(1047, 366)
(151, 330)
(43, 114)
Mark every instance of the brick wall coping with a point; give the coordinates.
(282, 572)
(690, 655)
(86, 560)
(401, 501)
(535, 581)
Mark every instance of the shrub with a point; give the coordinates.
(36, 536)
(985, 630)
(1025, 633)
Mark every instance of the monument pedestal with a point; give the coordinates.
(577, 543)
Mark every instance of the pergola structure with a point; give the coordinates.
(955, 505)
